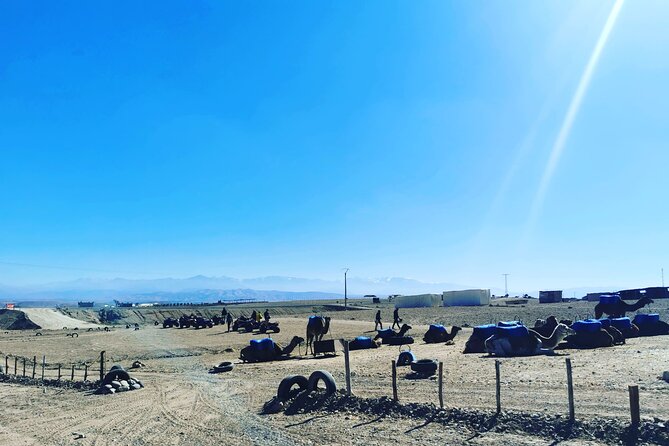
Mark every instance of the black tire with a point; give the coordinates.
(106, 328)
(287, 384)
(225, 366)
(405, 358)
(328, 380)
(277, 330)
(398, 340)
(424, 366)
(36, 334)
(75, 335)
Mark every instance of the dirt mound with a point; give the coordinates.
(16, 320)
(52, 319)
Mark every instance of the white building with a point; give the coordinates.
(465, 298)
(418, 301)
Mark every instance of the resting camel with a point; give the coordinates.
(620, 307)
(249, 354)
(531, 344)
(317, 327)
(394, 334)
(435, 336)
(606, 337)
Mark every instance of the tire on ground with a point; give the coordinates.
(326, 377)
(424, 366)
(287, 384)
(225, 366)
(405, 358)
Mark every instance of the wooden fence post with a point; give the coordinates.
(6, 364)
(570, 391)
(85, 372)
(72, 375)
(16, 363)
(58, 372)
(24, 366)
(347, 366)
(43, 365)
(441, 384)
(498, 387)
(34, 365)
(102, 365)
(394, 365)
(635, 410)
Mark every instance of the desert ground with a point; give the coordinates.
(184, 404)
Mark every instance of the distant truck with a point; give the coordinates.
(86, 304)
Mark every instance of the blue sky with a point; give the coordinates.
(296, 138)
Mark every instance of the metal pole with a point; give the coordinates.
(345, 290)
(498, 387)
(394, 366)
(635, 411)
(347, 365)
(570, 390)
(506, 284)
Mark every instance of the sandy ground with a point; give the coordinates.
(51, 319)
(183, 404)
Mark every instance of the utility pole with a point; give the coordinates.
(506, 284)
(345, 290)
(662, 277)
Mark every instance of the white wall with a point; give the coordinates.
(466, 298)
(418, 301)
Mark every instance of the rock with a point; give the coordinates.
(116, 384)
(135, 386)
(108, 386)
(665, 376)
(124, 383)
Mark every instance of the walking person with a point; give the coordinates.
(266, 315)
(396, 318)
(228, 320)
(377, 321)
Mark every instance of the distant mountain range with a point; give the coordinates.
(207, 289)
(204, 288)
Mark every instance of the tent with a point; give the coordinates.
(465, 298)
(418, 301)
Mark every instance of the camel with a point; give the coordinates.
(390, 333)
(620, 307)
(249, 354)
(546, 327)
(434, 336)
(531, 344)
(317, 327)
(608, 336)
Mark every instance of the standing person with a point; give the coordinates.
(396, 318)
(254, 315)
(228, 320)
(377, 321)
(266, 315)
(224, 312)
(258, 317)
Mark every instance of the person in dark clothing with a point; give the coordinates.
(224, 312)
(377, 321)
(396, 318)
(228, 320)
(254, 315)
(266, 315)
